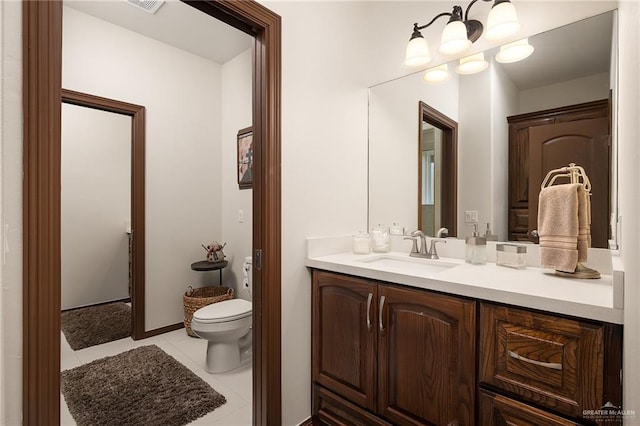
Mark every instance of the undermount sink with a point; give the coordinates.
(406, 264)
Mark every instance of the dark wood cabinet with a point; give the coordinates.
(526, 172)
(389, 354)
(549, 361)
(406, 356)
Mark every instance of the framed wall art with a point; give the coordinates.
(245, 158)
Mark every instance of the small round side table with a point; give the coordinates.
(204, 265)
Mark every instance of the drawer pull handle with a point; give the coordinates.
(552, 365)
(369, 297)
(380, 312)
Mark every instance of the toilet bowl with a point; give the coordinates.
(226, 326)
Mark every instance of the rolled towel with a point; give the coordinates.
(558, 226)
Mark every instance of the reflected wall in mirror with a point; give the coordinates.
(571, 65)
(437, 171)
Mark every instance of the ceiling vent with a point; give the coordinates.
(149, 6)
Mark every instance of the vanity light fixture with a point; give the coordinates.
(472, 64)
(437, 74)
(514, 52)
(461, 32)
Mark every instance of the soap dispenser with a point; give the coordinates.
(476, 248)
(489, 235)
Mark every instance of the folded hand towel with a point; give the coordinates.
(558, 226)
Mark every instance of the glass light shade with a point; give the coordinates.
(472, 64)
(436, 75)
(417, 52)
(514, 52)
(502, 22)
(454, 39)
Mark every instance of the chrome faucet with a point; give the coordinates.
(432, 253)
(442, 233)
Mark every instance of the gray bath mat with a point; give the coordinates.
(95, 325)
(143, 386)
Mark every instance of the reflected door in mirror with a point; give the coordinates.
(525, 178)
(585, 143)
(437, 170)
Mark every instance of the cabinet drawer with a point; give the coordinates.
(551, 361)
(498, 410)
(331, 409)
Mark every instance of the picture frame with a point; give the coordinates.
(245, 158)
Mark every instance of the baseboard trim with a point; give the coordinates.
(125, 300)
(163, 330)
(307, 422)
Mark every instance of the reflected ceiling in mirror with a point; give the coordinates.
(570, 65)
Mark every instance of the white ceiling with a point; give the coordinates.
(175, 23)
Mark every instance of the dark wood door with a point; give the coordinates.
(427, 346)
(344, 336)
(585, 143)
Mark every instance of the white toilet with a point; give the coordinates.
(227, 328)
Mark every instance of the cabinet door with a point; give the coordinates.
(427, 347)
(344, 336)
(497, 410)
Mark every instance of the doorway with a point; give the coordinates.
(42, 29)
(136, 161)
(437, 171)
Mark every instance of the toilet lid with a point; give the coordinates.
(227, 310)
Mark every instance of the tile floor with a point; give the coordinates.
(234, 385)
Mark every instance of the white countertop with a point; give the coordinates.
(536, 288)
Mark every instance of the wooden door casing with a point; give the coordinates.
(585, 143)
(426, 365)
(344, 336)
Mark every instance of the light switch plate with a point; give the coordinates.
(471, 216)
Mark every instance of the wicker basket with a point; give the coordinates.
(196, 298)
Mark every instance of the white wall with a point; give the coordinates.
(236, 115)
(11, 206)
(474, 151)
(504, 100)
(393, 144)
(324, 161)
(181, 93)
(629, 195)
(591, 88)
(95, 204)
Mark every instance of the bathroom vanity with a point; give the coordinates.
(397, 341)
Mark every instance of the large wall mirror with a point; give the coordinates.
(570, 77)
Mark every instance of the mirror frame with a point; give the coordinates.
(449, 186)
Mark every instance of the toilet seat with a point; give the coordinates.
(225, 311)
